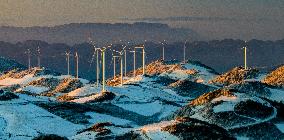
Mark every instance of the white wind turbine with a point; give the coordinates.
(68, 61)
(38, 57)
(134, 58)
(163, 45)
(29, 58)
(96, 52)
(120, 56)
(245, 55)
(134, 62)
(125, 60)
(184, 49)
(77, 65)
(143, 56)
(102, 50)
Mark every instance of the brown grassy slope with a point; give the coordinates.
(66, 85)
(207, 97)
(154, 68)
(17, 74)
(235, 76)
(275, 78)
(46, 82)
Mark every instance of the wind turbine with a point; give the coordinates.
(77, 65)
(29, 58)
(38, 57)
(98, 66)
(163, 43)
(143, 55)
(121, 66)
(125, 59)
(102, 50)
(125, 64)
(134, 59)
(121, 62)
(96, 52)
(114, 58)
(245, 54)
(103, 56)
(68, 62)
(134, 62)
(184, 47)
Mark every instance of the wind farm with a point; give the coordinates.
(147, 70)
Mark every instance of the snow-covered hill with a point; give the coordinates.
(172, 101)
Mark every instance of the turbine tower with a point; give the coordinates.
(29, 58)
(68, 62)
(114, 58)
(38, 57)
(77, 65)
(96, 52)
(184, 47)
(120, 56)
(163, 52)
(121, 70)
(121, 67)
(143, 56)
(134, 62)
(125, 64)
(163, 43)
(125, 60)
(98, 66)
(103, 56)
(245, 55)
(102, 50)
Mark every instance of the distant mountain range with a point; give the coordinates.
(221, 55)
(6, 65)
(101, 33)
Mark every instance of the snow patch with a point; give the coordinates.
(224, 107)
(137, 79)
(84, 91)
(176, 75)
(99, 118)
(86, 99)
(280, 126)
(148, 109)
(13, 81)
(225, 98)
(277, 95)
(34, 89)
(203, 72)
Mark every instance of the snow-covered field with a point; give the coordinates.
(25, 121)
(100, 118)
(141, 96)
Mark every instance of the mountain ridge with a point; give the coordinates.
(102, 33)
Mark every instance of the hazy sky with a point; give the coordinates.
(213, 19)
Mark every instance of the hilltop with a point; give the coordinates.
(275, 78)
